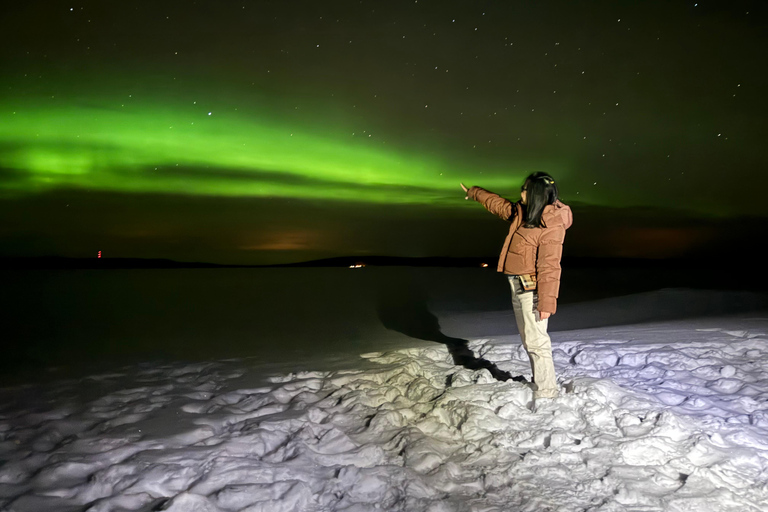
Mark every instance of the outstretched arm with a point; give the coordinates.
(494, 203)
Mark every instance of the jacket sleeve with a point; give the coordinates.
(548, 267)
(494, 203)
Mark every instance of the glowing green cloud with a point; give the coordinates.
(167, 147)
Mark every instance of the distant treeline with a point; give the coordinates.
(488, 262)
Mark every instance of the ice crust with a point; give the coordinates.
(655, 417)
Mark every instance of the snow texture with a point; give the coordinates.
(653, 417)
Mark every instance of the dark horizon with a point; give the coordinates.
(178, 228)
(110, 262)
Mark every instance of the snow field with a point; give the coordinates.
(657, 417)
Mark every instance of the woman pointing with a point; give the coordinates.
(530, 258)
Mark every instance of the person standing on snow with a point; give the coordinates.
(530, 258)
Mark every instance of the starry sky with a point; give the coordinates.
(264, 131)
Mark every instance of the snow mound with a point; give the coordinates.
(663, 417)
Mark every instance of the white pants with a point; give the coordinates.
(535, 339)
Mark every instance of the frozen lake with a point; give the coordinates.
(65, 322)
(332, 389)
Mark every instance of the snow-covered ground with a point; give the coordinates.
(666, 416)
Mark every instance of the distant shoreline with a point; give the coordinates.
(489, 262)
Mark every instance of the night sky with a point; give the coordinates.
(278, 131)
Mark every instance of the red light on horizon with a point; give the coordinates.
(99, 256)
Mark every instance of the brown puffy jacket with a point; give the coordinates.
(531, 250)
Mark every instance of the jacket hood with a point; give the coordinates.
(557, 214)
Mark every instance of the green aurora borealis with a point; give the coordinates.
(156, 146)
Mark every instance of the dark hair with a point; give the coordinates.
(540, 190)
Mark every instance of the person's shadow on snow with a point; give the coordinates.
(402, 307)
